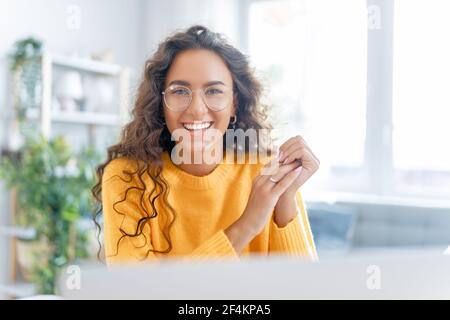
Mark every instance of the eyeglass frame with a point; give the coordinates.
(191, 95)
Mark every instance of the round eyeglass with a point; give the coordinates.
(178, 98)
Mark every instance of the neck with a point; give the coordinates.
(198, 169)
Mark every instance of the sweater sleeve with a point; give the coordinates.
(218, 246)
(123, 212)
(296, 238)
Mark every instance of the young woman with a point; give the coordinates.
(156, 206)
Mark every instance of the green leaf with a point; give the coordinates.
(70, 215)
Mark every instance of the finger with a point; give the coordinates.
(309, 152)
(286, 145)
(292, 144)
(308, 161)
(294, 154)
(274, 173)
(270, 168)
(284, 169)
(282, 185)
(309, 165)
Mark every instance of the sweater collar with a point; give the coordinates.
(209, 181)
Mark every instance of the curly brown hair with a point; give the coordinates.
(146, 137)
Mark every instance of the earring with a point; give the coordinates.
(234, 121)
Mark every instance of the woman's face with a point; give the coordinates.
(206, 74)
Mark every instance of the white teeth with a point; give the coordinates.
(197, 126)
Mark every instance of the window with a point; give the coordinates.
(314, 52)
(421, 106)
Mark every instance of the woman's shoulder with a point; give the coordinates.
(122, 167)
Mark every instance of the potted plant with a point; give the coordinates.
(25, 64)
(53, 195)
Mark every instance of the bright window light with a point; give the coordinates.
(421, 109)
(314, 55)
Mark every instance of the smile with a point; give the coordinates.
(197, 125)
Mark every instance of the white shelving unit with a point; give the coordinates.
(89, 118)
(85, 64)
(47, 117)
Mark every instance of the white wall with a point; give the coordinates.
(163, 17)
(104, 24)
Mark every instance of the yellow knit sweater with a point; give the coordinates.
(204, 207)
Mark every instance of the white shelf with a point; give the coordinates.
(18, 232)
(86, 64)
(78, 117)
(87, 118)
(18, 290)
(47, 115)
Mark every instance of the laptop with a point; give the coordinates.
(405, 274)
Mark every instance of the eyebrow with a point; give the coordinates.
(187, 84)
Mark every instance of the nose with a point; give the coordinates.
(198, 106)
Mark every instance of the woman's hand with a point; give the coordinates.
(295, 150)
(260, 205)
(274, 188)
(265, 194)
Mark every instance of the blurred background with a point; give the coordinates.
(365, 82)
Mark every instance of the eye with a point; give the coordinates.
(213, 91)
(180, 91)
